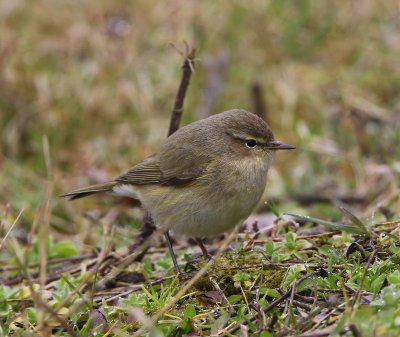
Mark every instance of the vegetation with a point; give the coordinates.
(86, 91)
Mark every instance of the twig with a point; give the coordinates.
(301, 324)
(188, 66)
(259, 105)
(133, 289)
(11, 228)
(302, 305)
(218, 288)
(289, 305)
(304, 299)
(320, 333)
(51, 262)
(325, 317)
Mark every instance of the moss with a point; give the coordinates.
(227, 268)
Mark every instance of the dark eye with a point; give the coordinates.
(251, 143)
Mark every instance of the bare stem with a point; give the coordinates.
(259, 105)
(187, 67)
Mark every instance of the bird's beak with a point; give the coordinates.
(276, 145)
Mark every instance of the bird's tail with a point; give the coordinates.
(89, 190)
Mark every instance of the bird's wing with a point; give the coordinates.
(146, 172)
(183, 157)
(149, 171)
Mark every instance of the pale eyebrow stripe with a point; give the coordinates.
(243, 138)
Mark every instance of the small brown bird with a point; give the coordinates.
(206, 178)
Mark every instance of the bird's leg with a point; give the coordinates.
(203, 249)
(171, 251)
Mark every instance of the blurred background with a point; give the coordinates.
(87, 87)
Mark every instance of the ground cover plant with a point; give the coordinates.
(87, 90)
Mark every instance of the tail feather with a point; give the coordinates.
(89, 190)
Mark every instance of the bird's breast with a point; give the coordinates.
(216, 202)
(242, 176)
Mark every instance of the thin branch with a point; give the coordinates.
(259, 105)
(221, 292)
(187, 67)
(11, 228)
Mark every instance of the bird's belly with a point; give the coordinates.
(211, 219)
(203, 216)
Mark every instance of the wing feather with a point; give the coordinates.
(149, 171)
(146, 172)
(183, 157)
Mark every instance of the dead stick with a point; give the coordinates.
(187, 70)
(259, 105)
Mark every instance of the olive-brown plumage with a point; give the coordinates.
(206, 177)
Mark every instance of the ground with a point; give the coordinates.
(86, 91)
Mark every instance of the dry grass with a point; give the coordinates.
(86, 90)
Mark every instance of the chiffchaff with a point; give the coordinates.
(206, 178)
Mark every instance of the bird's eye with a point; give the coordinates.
(251, 143)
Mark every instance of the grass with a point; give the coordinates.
(86, 91)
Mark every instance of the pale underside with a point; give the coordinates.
(211, 204)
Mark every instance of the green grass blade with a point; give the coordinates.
(354, 219)
(329, 224)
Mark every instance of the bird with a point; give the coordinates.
(205, 178)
